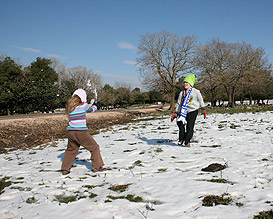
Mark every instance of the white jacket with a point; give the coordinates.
(196, 101)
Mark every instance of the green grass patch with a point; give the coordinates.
(162, 128)
(211, 146)
(220, 126)
(96, 132)
(8, 158)
(92, 195)
(119, 188)
(21, 188)
(264, 215)
(4, 184)
(129, 197)
(32, 152)
(162, 169)
(239, 204)
(83, 177)
(121, 139)
(265, 159)
(89, 186)
(129, 150)
(182, 162)
(234, 126)
(138, 163)
(107, 200)
(43, 170)
(213, 200)
(20, 178)
(132, 198)
(65, 199)
(239, 109)
(31, 200)
(215, 180)
(92, 186)
(158, 150)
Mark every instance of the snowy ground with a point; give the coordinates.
(147, 163)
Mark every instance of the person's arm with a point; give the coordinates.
(179, 104)
(91, 107)
(202, 104)
(200, 99)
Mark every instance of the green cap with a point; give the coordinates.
(191, 79)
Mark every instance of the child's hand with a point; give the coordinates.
(92, 102)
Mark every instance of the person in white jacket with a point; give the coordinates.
(188, 104)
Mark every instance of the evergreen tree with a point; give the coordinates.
(41, 85)
(10, 77)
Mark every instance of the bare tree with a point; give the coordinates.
(86, 79)
(259, 76)
(233, 66)
(123, 94)
(164, 58)
(59, 67)
(210, 61)
(126, 85)
(81, 76)
(245, 63)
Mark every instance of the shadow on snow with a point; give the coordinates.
(159, 141)
(77, 161)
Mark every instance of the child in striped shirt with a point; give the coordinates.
(78, 135)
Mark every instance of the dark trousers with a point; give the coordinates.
(75, 140)
(186, 131)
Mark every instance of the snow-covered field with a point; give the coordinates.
(148, 166)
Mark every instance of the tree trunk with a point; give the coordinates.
(230, 99)
(172, 99)
(250, 100)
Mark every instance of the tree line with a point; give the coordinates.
(225, 72)
(46, 85)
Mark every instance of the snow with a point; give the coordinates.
(144, 155)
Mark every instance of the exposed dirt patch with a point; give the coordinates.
(214, 167)
(27, 132)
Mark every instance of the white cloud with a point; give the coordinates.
(57, 56)
(130, 62)
(125, 45)
(28, 49)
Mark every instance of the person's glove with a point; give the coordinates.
(204, 112)
(98, 105)
(173, 117)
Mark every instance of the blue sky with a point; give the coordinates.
(103, 35)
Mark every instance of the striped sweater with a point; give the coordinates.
(77, 118)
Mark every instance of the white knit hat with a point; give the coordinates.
(81, 93)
